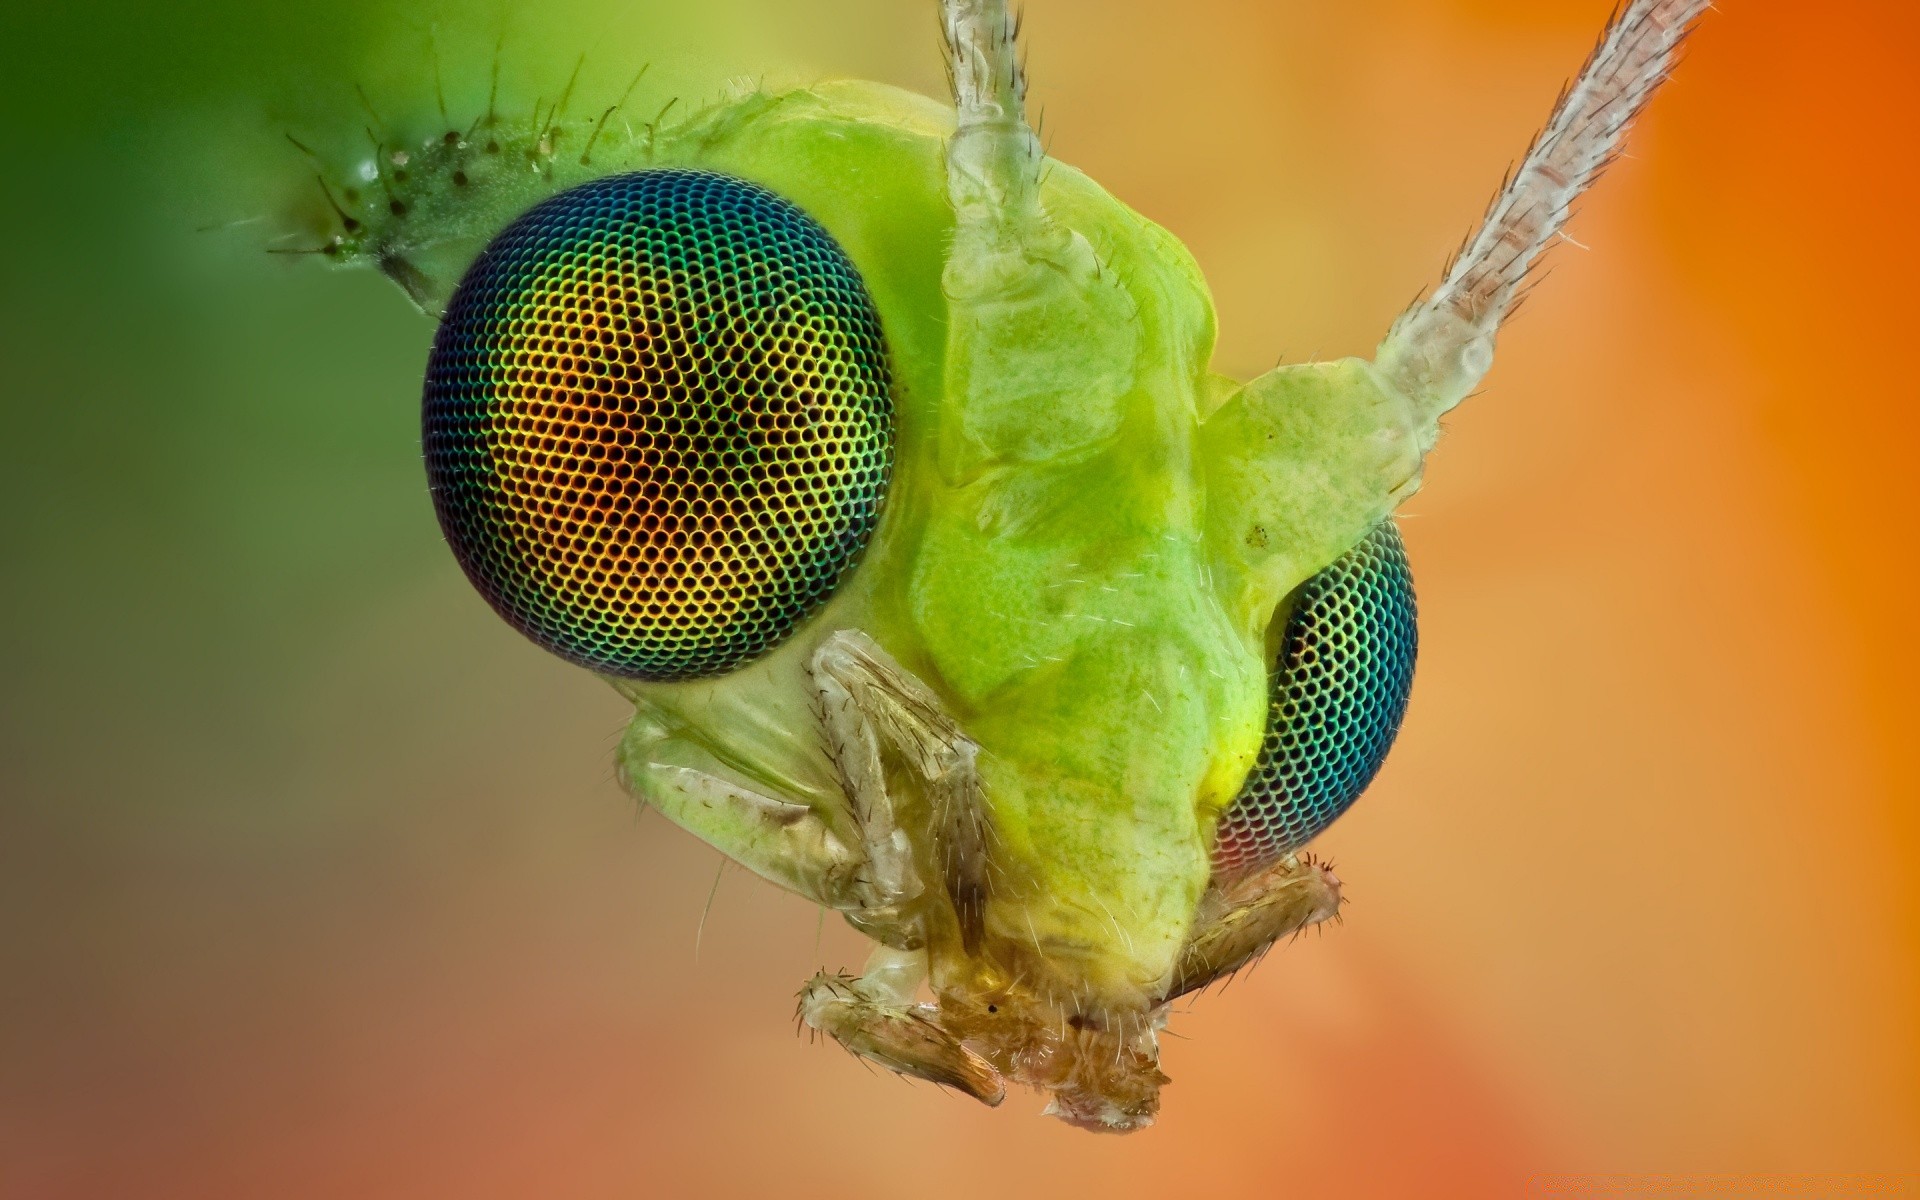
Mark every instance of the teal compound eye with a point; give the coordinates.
(1339, 690)
(658, 423)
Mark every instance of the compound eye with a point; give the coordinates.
(658, 423)
(1339, 690)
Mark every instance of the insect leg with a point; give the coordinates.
(868, 701)
(1440, 348)
(1240, 917)
(853, 743)
(787, 843)
(876, 1018)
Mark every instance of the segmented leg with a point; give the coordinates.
(1240, 917)
(783, 842)
(869, 702)
(1440, 348)
(853, 742)
(867, 705)
(876, 1018)
(869, 875)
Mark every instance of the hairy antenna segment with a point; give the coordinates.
(993, 161)
(1440, 348)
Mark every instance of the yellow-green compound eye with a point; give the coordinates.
(657, 422)
(1339, 689)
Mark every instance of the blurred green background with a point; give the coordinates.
(313, 877)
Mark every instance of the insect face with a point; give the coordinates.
(657, 422)
(1129, 634)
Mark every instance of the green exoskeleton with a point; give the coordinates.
(876, 458)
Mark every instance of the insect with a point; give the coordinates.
(876, 458)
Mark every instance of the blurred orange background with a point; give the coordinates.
(313, 877)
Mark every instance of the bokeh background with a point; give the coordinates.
(314, 881)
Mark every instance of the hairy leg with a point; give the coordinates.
(1240, 917)
(783, 841)
(876, 1017)
(869, 707)
(868, 704)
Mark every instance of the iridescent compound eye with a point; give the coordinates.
(657, 422)
(1340, 687)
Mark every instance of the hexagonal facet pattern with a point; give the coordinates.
(657, 422)
(1340, 688)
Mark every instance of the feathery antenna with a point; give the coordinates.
(1440, 348)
